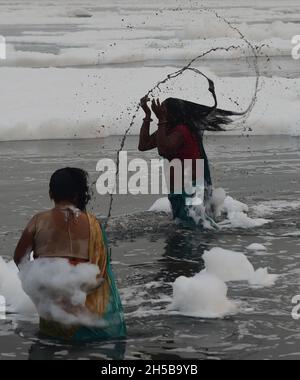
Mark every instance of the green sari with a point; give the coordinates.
(104, 302)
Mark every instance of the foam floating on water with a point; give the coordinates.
(233, 212)
(234, 266)
(47, 284)
(202, 296)
(56, 287)
(205, 294)
(60, 113)
(256, 247)
(11, 288)
(161, 205)
(236, 212)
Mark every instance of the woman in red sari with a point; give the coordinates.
(181, 125)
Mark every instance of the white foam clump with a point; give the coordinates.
(51, 288)
(235, 211)
(58, 289)
(256, 247)
(234, 266)
(161, 205)
(232, 212)
(60, 112)
(11, 289)
(240, 219)
(203, 296)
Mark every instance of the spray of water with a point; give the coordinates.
(189, 67)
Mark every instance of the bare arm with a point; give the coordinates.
(25, 244)
(168, 143)
(147, 141)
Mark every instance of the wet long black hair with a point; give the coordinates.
(197, 117)
(70, 184)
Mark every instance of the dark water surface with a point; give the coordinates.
(150, 252)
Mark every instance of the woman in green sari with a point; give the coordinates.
(69, 232)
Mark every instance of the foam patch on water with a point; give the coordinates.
(61, 113)
(161, 205)
(256, 247)
(234, 266)
(50, 287)
(11, 288)
(143, 48)
(203, 296)
(234, 211)
(59, 289)
(231, 212)
(119, 34)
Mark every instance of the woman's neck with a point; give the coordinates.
(63, 204)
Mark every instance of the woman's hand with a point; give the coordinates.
(160, 111)
(145, 107)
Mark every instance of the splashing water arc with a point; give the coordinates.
(189, 67)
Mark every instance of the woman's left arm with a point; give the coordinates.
(26, 243)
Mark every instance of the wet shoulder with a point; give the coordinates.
(43, 215)
(37, 219)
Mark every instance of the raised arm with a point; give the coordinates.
(26, 243)
(168, 143)
(147, 141)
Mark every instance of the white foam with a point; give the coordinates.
(235, 212)
(234, 266)
(58, 289)
(232, 205)
(127, 51)
(262, 278)
(161, 205)
(241, 220)
(74, 103)
(136, 31)
(231, 212)
(77, 103)
(203, 296)
(218, 200)
(50, 284)
(10, 288)
(256, 247)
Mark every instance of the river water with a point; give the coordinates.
(149, 252)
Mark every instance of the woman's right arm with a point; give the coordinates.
(26, 242)
(147, 141)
